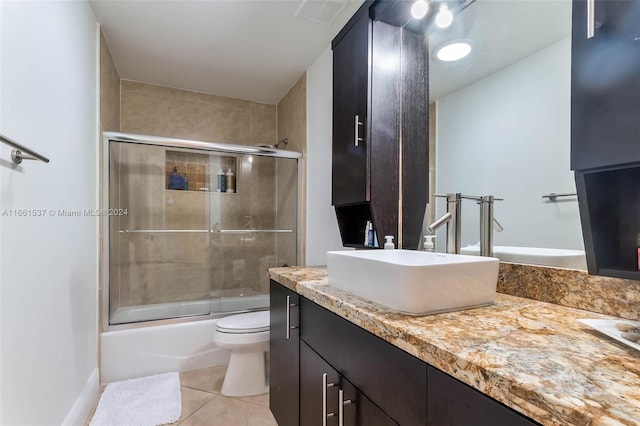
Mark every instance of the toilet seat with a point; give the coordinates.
(253, 322)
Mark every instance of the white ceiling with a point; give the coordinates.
(257, 49)
(253, 50)
(502, 32)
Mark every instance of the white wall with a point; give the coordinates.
(508, 135)
(322, 227)
(48, 264)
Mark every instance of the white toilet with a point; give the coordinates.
(247, 337)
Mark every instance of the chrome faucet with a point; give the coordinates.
(452, 219)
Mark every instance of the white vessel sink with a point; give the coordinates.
(415, 282)
(573, 259)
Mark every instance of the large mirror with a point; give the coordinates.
(500, 122)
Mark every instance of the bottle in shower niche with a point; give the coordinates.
(185, 183)
(175, 180)
(221, 180)
(231, 181)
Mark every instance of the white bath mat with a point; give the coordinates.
(147, 401)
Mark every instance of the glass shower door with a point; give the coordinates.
(160, 261)
(253, 228)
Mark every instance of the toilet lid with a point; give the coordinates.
(252, 322)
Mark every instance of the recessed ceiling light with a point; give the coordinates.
(453, 51)
(419, 9)
(444, 18)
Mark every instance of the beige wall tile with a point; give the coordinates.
(109, 90)
(263, 124)
(144, 113)
(188, 120)
(292, 124)
(230, 121)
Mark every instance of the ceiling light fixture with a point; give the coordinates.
(453, 50)
(419, 9)
(444, 18)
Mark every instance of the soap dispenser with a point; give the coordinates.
(429, 244)
(388, 244)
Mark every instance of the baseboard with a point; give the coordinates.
(84, 403)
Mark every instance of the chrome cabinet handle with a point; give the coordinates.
(325, 385)
(341, 404)
(591, 18)
(288, 324)
(357, 138)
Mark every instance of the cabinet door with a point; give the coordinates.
(393, 379)
(323, 390)
(284, 372)
(605, 85)
(350, 86)
(453, 403)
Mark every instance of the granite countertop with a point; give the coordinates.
(532, 356)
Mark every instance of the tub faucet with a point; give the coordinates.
(452, 219)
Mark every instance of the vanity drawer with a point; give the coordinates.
(394, 380)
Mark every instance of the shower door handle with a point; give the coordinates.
(288, 324)
(358, 123)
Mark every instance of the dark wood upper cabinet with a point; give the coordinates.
(605, 85)
(605, 133)
(380, 128)
(350, 139)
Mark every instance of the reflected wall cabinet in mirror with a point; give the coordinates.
(380, 135)
(605, 132)
(605, 83)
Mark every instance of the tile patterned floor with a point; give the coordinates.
(203, 405)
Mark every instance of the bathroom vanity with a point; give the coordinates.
(348, 361)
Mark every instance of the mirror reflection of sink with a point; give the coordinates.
(561, 258)
(415, 282)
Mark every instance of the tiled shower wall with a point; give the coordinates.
(153, 110)
(149, 267)
(161, 111)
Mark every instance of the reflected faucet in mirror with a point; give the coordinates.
(487, 221)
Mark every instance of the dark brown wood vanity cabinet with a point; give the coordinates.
(380, 128)
(345, 372)
(284, 355)
(605, 132)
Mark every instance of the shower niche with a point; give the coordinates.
(189, 171)
(191, 250)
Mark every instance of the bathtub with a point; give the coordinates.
(168, 345)
(130, 314)
(572, 259)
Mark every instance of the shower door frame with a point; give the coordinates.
(213, 147)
